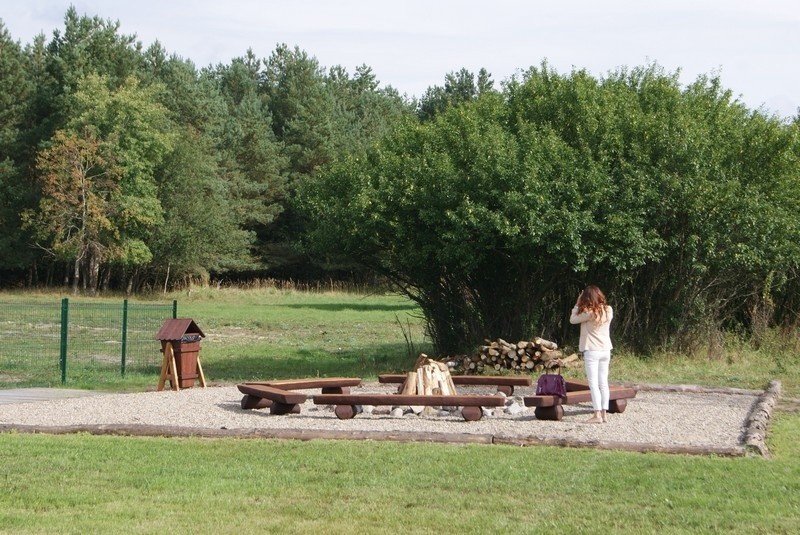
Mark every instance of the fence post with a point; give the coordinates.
(174, 309)
(64, 329)
(124, 334)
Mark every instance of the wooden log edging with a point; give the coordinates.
(280, 434)
(692, 389)
(758, 419)
(389, 436)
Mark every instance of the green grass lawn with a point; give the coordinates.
(98, 484)
(267, 333)
(254, 334)
(90, 484)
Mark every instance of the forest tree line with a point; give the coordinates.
(491, 205)
(128, 168)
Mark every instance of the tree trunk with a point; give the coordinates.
(93, 271)
(84, 277)
(166, 278)
(76, 276)
(107, 278)
(132, 280)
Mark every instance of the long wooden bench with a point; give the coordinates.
(504, 383)
(551, 407)
(347, 404)
(263, 394)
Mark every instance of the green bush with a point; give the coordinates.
(492, 215)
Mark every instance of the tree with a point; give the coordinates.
(128, 128)
(317, 117)
(88, 46)
(201, 233)
(91, 45)
(16, 90)
(445, 210)
(459, 87)
(495, 212)
(79, 182)
(254, 165)
(301, 108)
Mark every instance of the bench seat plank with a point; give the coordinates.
(318, 382)
(272, 393)
(408, 399)
(492, 380)
(504, 383)
(347, 404)
(576, 396)
(577, 385)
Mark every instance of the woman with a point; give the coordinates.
(594, 316)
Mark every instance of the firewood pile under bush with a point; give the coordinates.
(525, 356)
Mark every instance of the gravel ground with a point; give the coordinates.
(657, 419)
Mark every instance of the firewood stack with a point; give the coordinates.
(429, 377)
(524, 356)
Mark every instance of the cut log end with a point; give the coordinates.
(345, 412)
(254, 402)
(554, 412)
(471, 413)
(279, 408)
(617, 406)
(508, 390)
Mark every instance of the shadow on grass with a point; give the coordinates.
(366, 363)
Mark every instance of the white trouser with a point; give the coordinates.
(596, 364)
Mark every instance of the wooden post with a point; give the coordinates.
(200, 374)
(169, 371)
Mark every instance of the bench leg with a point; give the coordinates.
(508, 390)
(345, 412)
(555, 412)
(254, 402)
(617, 405)
(471, 414)
(335, 389)
(284, 408)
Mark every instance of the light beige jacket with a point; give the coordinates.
(594, 336)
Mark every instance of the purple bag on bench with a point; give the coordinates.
(551, 385)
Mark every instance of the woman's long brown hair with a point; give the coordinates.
(593, 300)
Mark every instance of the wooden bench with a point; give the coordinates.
(550, 407)
(256, 397)
(347, 404)
(505, 384)
(280, 401)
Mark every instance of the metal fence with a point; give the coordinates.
(53, 341)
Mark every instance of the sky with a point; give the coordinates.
(753, 46)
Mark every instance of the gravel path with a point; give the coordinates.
(656, 420)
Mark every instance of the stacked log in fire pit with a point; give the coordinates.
(524, 356)
(430, 377)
